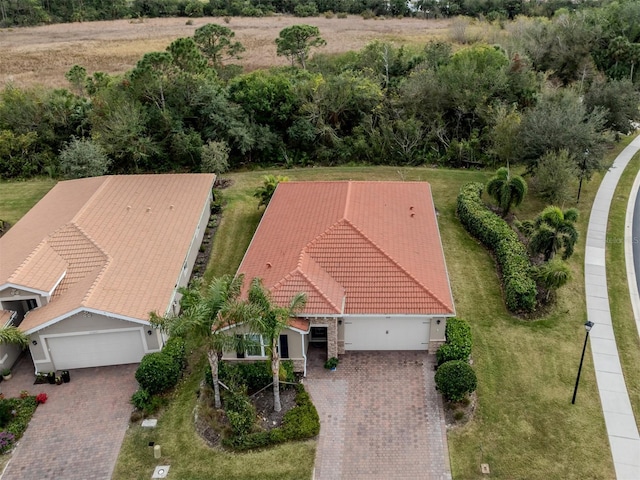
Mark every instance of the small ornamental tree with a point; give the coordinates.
(455, 380)
(83, 158)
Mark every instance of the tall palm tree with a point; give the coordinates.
(551, 232)
(269, 320)
(203, 315)
(507, 190)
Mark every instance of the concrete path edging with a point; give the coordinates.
(622, 430)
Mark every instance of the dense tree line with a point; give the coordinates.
(189, 109)
(35, 12)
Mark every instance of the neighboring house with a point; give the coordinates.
(369, 257)
(86, 265)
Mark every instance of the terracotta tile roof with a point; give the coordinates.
(5, 315)
(354, 247)
(122, 241)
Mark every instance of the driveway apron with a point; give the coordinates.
(77, 433)
(380, 417)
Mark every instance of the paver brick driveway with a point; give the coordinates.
(381, 418)
(77, 434)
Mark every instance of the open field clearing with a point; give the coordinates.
(42, 55)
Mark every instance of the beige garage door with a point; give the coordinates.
(96, 349)
(386, 333)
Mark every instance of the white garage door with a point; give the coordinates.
(382, 333)
(96, 349)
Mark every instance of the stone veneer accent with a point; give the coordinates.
(298, 364)
(332, 334)
(341, 350)
(434, 345)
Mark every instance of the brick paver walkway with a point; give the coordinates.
(381, 418)
(77, 434)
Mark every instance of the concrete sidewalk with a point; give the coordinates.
(618, 415)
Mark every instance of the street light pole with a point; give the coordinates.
(587, 326)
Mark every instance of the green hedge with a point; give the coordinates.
(176, 349)
(299, 423)
(511, 255)
(255, 375)
(455, 380)
(458, 344)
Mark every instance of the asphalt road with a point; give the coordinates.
(635, 239)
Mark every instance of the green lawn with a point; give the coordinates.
(16, 198)
(524, 425)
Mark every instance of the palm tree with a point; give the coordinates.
(553, 275)
(552, 231)
(269, 320)
(203, 315)
(266, 191)
(12, 335)
(507, 191)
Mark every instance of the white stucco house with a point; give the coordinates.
(82, 270)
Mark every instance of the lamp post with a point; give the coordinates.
(587, 326)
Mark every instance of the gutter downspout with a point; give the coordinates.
(304, 374)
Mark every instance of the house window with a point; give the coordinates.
(255, 345)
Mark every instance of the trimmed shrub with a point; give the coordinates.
(301, 422)
(5, 412)
(455, 380)
(458, 345)
(157, 373)
(140, 399)
(519, 286)
(176, 349)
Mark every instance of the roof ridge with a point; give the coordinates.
(289, 275)
(392, 260)
(347, 201)
(29, 257)
(317, 288)
(107, 179)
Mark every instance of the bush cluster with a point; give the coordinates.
(176, 349)
(511, 255)
(455, 380)
(458, 341)
(24, 409)
(301, 422)
(255, 375)
(240, 412)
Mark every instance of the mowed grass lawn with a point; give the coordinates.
(524, 425)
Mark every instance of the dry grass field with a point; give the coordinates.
(42, 55)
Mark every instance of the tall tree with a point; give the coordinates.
(269, 319)
(297, 41)
(507, 190)
(551, 232)
(205, 315)
(217, 44)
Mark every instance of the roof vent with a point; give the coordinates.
(413, 214)
(269, 265)
(411, 207)
(170, 207)
(148, 209)
(128, 207)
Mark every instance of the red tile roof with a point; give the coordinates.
(117, 242)
(353, 247)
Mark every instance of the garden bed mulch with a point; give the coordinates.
(211, 423)
(264, 406)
